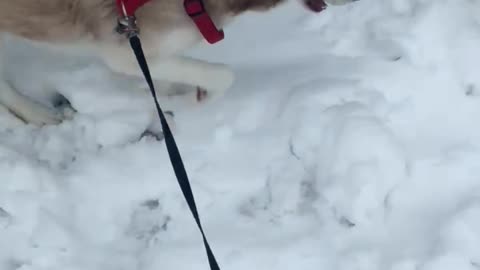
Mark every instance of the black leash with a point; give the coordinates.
(172, 148)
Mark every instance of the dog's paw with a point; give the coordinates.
(204, 95)
(194, 94)
(201, 95)
(221, 79)
(37, 114)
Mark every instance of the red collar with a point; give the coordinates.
(195, 9)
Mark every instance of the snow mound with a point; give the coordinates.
(349, 141)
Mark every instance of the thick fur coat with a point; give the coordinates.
(87, 26)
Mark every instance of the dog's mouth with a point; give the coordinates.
(316, 5)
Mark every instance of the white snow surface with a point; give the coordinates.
(350, 141)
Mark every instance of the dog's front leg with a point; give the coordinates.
(215, 78)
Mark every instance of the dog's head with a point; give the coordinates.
(240, 6)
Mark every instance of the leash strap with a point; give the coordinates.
(172, 148)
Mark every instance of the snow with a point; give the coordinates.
(349, 141)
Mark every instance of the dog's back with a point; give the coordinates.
(54, 20)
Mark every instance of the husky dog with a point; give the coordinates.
(88, 25)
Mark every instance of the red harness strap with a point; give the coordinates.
(195, 9)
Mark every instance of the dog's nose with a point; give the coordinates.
(316, 5)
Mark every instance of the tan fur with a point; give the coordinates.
(68, 21)
(166, 31)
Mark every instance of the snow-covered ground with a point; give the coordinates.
(350, 140)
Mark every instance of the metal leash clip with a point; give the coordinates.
(127, 26)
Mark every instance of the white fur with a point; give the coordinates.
(165, 63)
(163, 51)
